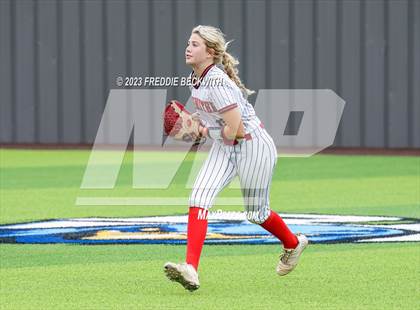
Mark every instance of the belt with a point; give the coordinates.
(246, 137)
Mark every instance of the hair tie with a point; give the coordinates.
(227, 44)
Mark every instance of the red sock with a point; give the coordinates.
(275, 225)
(196, 234)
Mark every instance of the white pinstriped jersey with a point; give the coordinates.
(217, 93)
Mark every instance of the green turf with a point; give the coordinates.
(383, 276)
(38, 185)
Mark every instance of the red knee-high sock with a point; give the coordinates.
(275, 225)
(196, 234)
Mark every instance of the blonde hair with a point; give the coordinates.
(215, 40)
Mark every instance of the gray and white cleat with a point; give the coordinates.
(290, 257)
(184, 273)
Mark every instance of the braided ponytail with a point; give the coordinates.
(229, 64)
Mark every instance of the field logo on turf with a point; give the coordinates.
(308, 124)
(223, 228)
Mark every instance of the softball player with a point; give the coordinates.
(241, 147)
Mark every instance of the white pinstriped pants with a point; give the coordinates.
(252, 160)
